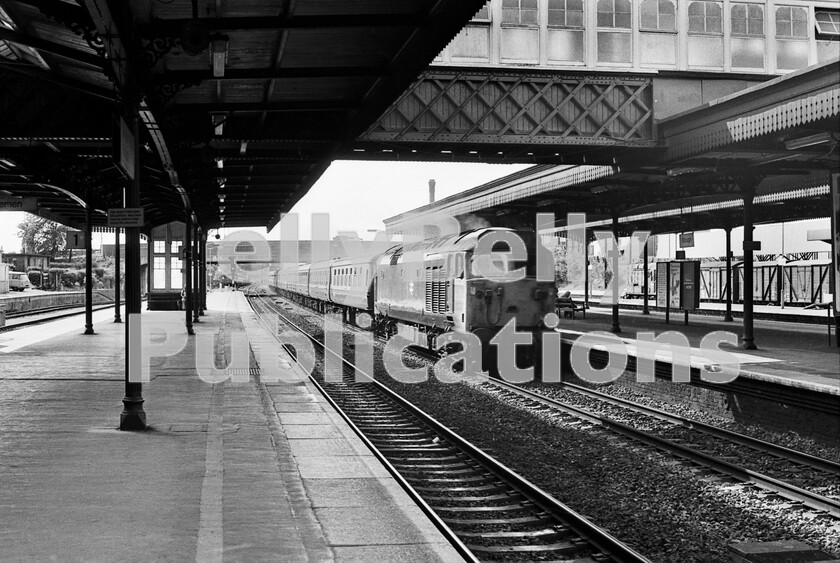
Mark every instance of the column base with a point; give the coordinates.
(133, 418)
(727, 318)
(89, 330)
(748, 345)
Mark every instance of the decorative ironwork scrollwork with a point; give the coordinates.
(168, 90)
(77, 21)
(154, 50)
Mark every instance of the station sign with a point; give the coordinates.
(686, 240)
(75, 240)
(123, 218)
(12, 203)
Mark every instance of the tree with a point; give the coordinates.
(41, 236)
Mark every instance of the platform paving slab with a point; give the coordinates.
(216, 477)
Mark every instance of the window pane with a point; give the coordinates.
(828, 23)
(529, 16)
(605, 20)
(614, 48)
(705, 52)
(704, 17)
(696, 10)
(622, 21)
(649, 19)
(658, 49)
(791, 55)
(175, 274)
(565, 45)
(574, 18)
(747, 53)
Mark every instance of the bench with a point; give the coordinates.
(568, 309)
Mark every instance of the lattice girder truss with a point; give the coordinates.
(476, 107)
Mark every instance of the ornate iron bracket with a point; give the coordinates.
(77, 21)
(167, 90)
(155, 49)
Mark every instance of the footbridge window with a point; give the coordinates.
(658, 35)
(747, 41)
(520, 12)
(565, 31)
(828, 34)
(615, 42)
(520, 32)
(705, 35)
(791, 37)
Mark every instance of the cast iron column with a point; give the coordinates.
(188, 297)
(133, 416)
(88, 264)
(202, 249)
(585, 268)
(645, 310)
(195, 276)
(117, 318)
(748, 192)
(728, 316)
(615, 328)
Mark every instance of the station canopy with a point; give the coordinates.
(243, 104)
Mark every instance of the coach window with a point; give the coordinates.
(565, 31)
(705, 34)
(828, 33)
(615, 42)
(791, 37)
(747, 40)
(658, 37)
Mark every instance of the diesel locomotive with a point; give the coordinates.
(474, 282)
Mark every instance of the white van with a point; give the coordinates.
(19, 281)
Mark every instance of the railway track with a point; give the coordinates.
(488, 511)
(697, 443)
(46, 314)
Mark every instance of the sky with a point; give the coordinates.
(359, 195)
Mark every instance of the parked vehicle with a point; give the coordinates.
(18, 281)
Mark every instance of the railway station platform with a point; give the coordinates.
(234, 471)
(791, 382)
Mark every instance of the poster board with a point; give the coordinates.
(690, 290)
(662, 284)
(674, 285)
